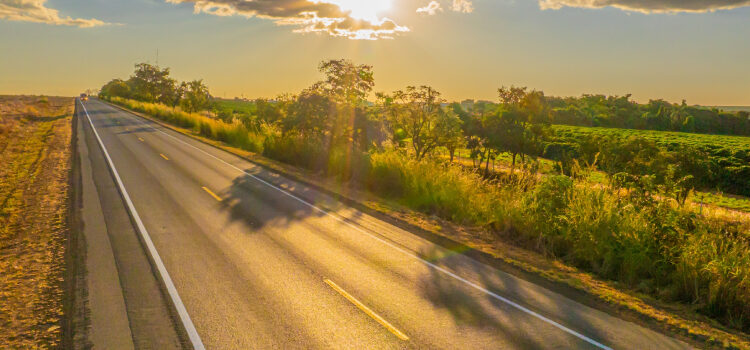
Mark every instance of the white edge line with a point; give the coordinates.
(402, 250)
(195, 339)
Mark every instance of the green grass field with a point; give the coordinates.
(731, 144)
(237, 106)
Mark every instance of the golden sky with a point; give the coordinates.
(673, 49)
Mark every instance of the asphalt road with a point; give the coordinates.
(259, 261)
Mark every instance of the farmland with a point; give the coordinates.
(714, 162)
(735, 146)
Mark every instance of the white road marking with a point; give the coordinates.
(171, 290)
(397, 248)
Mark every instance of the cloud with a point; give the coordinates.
(309, 16)
(649, 6)
(464, 6)
(431, 9)
(35, 11)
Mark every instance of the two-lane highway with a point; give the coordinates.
(259, 261)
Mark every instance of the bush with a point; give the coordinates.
(297, 150)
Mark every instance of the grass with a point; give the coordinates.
(35, 138)
(236, 106)
(234, 134)
(720, 200)
(639, 243)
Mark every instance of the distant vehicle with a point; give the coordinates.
(84, 97)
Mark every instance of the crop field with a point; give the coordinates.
(734, 108)
(717, 163)
(237, 106)
(35, 136)
(738, 146)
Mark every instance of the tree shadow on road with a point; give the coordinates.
(475, 309)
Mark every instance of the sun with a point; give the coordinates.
(366, 10)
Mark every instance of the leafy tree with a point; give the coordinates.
(310, 114)
(195, 96)
(345, 82)
(519, 127)
(417, 112)
(152, 84)
(116, 87)
(449, 129)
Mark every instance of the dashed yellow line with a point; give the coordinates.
(367, 310)
(212, 194)
(140, 139)
(163, 156)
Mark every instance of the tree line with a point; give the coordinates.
(621, 112)
(334, 117)
(151, 83)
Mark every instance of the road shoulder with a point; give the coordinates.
(108, 325)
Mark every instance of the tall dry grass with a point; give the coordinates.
(235, 134)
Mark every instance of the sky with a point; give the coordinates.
(697, 50)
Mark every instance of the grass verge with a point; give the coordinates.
(35, 136)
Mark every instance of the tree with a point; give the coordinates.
(346, 82)
(450, 132)
(115, 88)
(518, 126)
(194, 96)
(418, 114)
(309, 115)
(347, 86)
(152, 84)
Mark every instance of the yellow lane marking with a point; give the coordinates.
(140, 139)
(212, 194)
(163, 156)
(367, 310)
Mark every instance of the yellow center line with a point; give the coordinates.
(140, 139)
(367, 310)
(163, 156)
(212, 194)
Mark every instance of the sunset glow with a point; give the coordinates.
(363, 10)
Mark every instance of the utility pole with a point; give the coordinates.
(157, 57)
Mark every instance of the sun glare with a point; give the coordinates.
(366, 10)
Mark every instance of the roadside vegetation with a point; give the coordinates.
(35, 136)
(630, 225)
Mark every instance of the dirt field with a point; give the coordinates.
(35, 161)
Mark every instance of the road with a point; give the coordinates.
(259, 261)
